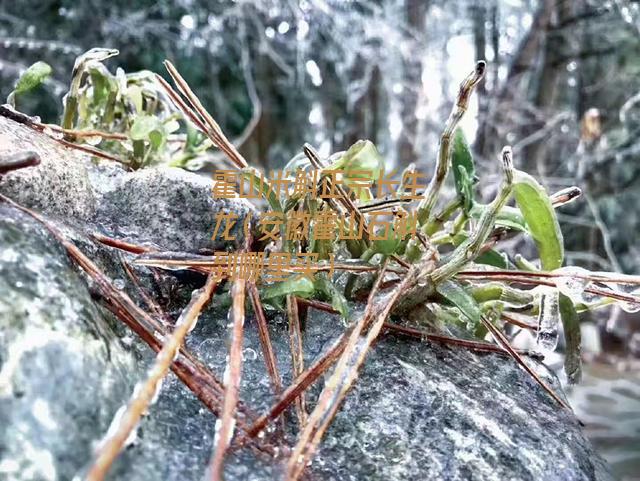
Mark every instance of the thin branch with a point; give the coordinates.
(18, 161)
(226, 423)
(145, 392)
(265, 339)
(297, 356)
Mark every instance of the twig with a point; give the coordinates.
(212, 130)
(500, 339)
(518, 322)
(122, 245)
(226, 423)
(426, 205)
(18, 161)
(265, 340)
(297, 356)
(146, 391)
(453, 341)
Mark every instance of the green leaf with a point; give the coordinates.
(299, 286)
(456, 295)
(329, 290)
(362, 155)
(265, 189)
(388, 245)
(493, 258)
(541, 220)
(157, 139)
(143, 125)
(509, 217)
(463, 169)
(32, 77)
(571, 327)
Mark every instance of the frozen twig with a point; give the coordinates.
(225, 424)
(297, 356)
(211, 127)
(265, 339)
(146, 391)
(426, 205)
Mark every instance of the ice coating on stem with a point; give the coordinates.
(548, 317)
(573, 282)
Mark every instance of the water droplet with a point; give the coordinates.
(548, 320)
(93, 139)
(119, 284)
(249, 354)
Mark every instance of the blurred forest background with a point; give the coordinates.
(563, 87)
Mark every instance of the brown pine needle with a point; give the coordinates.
(225, 424)
(360, 340)
(591, 276)
(71, 134)
(297, 356)
(213, 130)
(265, 339)
(502, 340)
(120, 244)
(149, 301)
(145, 392)
(181, 105)
(299, 385)
(519, 322)
(18, 161)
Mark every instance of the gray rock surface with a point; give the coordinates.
(418, 411)
(134, 206)
(62, 371)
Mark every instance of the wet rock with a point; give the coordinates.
(133, 206)
(59, 186)
(62, 371)
(140, 205)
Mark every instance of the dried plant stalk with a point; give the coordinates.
(297, 356)
(225, 424)
(146, 391)
(212, 129)
(265, 339)
(426, 205)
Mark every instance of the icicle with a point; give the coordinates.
(548, 318)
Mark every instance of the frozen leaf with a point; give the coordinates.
(32, 77)
(542, 223)
(463, 169)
